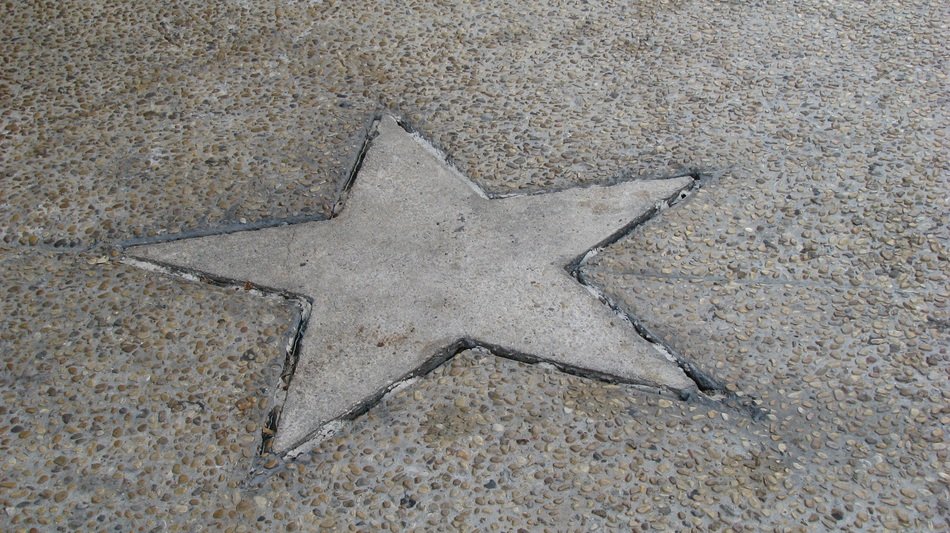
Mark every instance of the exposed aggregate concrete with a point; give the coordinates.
(809, 273)
(253, 111)
(127, 397)
(132, 120)
(854, 380)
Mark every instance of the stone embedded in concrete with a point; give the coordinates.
(419, 259)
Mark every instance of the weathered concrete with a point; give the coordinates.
(419, 259)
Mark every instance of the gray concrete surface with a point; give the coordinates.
(809, 273)
(419, 259)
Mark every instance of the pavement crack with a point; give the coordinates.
(291, 358)
(287, 251)
(710, 388)
(369, 133)
(223, 229)
(435, 148)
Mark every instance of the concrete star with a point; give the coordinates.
(419, 259)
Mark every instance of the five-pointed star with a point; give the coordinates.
(419, 259)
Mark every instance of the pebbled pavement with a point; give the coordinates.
(809, 272)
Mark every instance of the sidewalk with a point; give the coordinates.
(806, 276)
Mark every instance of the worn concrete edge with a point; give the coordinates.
(330, 428)
(711, 389)
(302, 307)
(347, 176)
(444, 156)
(370, 131)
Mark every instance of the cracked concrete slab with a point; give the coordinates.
(418, 259)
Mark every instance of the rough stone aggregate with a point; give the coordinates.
(127, 397)
(254, 110)
(809, 272)
(853, 380)
(130, 120)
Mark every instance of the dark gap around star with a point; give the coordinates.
(712, 391)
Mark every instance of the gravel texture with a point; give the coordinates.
(254, 110)
(127, 398)
(132, 120)
(854, 381)
(487, 443)
(808, 273)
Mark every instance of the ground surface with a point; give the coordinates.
(808, 273)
